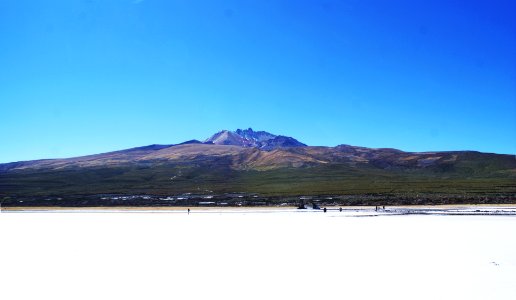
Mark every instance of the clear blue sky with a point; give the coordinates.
(90, 76)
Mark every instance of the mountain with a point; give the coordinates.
(250, 138)
(271, 165)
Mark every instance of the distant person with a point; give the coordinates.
(188, 211)
(340, 209)
(325, 209)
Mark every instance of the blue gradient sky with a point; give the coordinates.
(90, 76)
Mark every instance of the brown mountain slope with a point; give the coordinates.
(196, 167)
(244, 158)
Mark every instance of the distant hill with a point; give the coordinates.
(261, 162)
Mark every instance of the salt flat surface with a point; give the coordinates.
(256, 255)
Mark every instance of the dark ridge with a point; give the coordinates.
(13, 165)
(149, 147)
(190, 142)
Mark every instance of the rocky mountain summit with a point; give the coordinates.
(257, 139)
